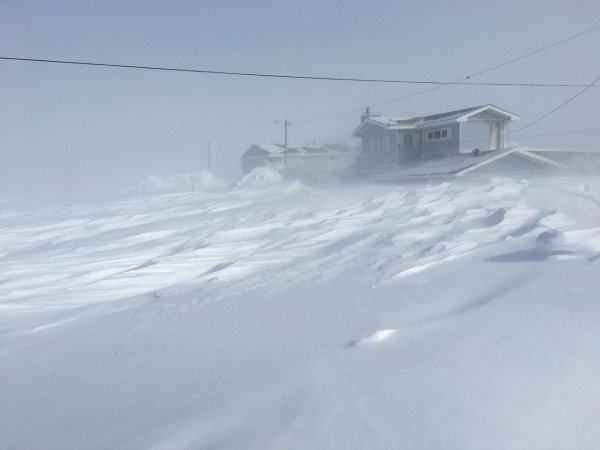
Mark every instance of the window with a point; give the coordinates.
(436, 135)
(408, 141)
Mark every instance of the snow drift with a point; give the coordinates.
(451, 315)
(261, 176)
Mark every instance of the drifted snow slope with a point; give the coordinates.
(440, 316)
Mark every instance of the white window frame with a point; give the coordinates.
(448, 131)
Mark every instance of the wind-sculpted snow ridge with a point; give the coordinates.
(180, 241)
(448, 315)
(179, 182)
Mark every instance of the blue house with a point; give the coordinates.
(392, 141)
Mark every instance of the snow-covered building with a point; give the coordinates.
(391, 141)
(299, 158)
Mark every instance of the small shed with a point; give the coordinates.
(299, 158)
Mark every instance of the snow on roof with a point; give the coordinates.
(448, 115)
(422, 121)
(271, 148)
(388, 120)
(458, 165)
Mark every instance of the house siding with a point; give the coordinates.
(407, 154)
(443, 147)
(388, 148)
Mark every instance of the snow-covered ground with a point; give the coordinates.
(452, 315)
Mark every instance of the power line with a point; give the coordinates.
(287, 76)
(570, 99)
(561, 133)
(526, 55)
(457, 81)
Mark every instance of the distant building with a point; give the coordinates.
(307, 159)
(392, 141)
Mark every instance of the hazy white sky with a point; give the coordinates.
(70, 133)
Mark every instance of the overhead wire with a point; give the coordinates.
(436, 84)
(273, 75)
(561, 133)
(553, 110)
(458, 80)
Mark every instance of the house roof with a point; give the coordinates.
(399, 123)
(308, 149)
(391, 121)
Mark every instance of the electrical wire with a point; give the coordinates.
(570, 99)
(561, 133)
(458, 80)
(273, 75)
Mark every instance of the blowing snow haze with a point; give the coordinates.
(431, 283)
(69, 133)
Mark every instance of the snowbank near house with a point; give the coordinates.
(261, 176)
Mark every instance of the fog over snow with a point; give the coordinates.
(74, 133)
(152, 297)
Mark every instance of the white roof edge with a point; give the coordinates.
(509, 152)
(485, 162)
(436, 123)
(360, 125)
(401, 127)
(541, 158)
(468, 115)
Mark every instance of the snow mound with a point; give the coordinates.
(179, 182)
(378, 336)
(261, 176)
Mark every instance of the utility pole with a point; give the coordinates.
(285, 125)
(208, 157)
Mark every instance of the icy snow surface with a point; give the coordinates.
(460, 316)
